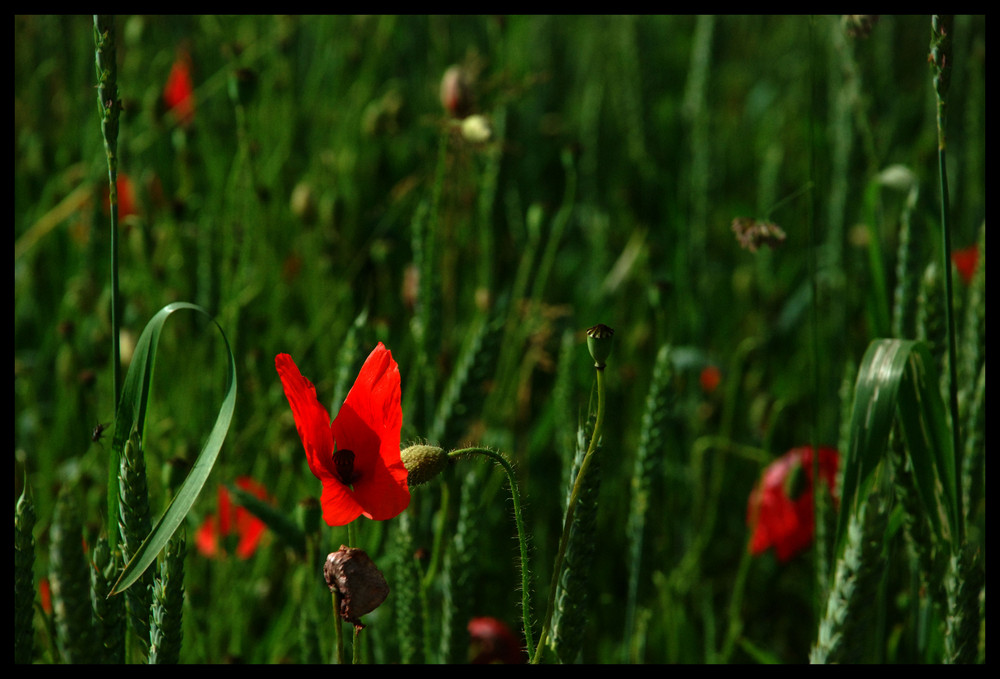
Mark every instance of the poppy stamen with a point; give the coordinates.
(343, 462)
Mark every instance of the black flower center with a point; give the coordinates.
(343, 463)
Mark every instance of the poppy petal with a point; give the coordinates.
(369, 425)
(311, 419)
(340, 506)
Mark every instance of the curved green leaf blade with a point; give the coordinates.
(132, 413)
(897, 378)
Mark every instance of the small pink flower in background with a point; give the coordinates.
(491, 641)
(780, 510)
(966, 260)
(178, 94)
(236, 521)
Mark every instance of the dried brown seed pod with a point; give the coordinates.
(361, 586)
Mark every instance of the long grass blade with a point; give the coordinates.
(132, 413)
(898, 377)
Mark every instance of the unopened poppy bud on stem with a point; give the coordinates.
(423, 463)
(600, 339)
(456, 92)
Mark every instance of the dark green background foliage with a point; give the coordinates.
(314, 204)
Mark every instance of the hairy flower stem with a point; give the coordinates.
(570, 511)
(521, 535)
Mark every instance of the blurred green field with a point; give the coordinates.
(623, 148)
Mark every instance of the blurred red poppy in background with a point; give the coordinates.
(45, 595)
(178, 94)
(126, 197)
(709, 378)
(357, 456)
(780, 510)
(966, 260)
(491, 641)
(230, 521)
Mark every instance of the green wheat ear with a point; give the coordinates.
(569, 617)
(109, 612)
(843, 629)
(409, 620)
(931, 322)
(456, 585)
(974, 460)
(965, 580)
(652, 442)
(973, 348)
(134, 523)
(463, 394)
(24, 578)
(165, 631)
(70, 582)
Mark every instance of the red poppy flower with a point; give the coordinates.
(45, 594)
(780, 510)
(178, 94)
(965, 261)
(709, 378)
(357, 456)
(126, 197)
(491, 641)
(241, 523)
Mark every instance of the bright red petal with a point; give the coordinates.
(178, 93)
(965, 261)
(339, 504)
(249, 527)
(369, 425)
(207, 539)
(778, 521)
(311, 419)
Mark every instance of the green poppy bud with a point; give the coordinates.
(423, 463)
(599, 341)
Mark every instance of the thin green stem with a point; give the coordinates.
(338, 626)
(570, 511)
(110, 107)
(941, 55)
(515, 494)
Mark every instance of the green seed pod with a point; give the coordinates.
(600, 339)
(361, 586)
(423, 463)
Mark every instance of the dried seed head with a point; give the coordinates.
(361, 586)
